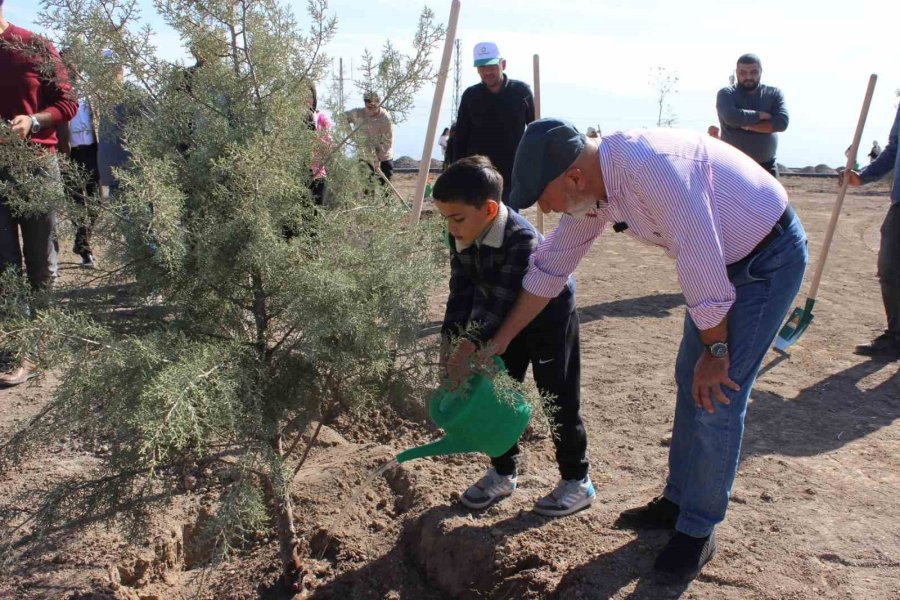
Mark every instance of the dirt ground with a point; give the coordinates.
(813, 514)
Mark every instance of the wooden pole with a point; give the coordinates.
(537, 115)
(425, 165)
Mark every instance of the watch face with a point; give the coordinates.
(719, 349)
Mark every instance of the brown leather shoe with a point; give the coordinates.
(18, 375)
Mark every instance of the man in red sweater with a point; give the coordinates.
(31, 105)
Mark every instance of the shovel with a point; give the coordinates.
(802, 317)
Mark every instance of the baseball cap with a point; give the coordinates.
(547, 149)
(486, 53)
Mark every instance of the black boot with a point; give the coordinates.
(683, 557)
(659, 513)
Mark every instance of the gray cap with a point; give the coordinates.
(547, 149)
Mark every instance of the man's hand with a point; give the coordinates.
(21, 126)
(853, 179)
(710, 374)
(465, 360)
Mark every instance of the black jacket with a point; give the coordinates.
(492, 124)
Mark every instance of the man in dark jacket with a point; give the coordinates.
(493, 114)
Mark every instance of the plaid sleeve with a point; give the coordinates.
(507, 284)
(459, 302)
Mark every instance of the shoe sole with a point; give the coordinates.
(482, 505)
(552, 512)
(637, 525)
(11, 384)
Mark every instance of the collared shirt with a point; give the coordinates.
(81, 126)
(705, 203)
(486, 277)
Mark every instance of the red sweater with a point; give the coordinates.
(25, 90)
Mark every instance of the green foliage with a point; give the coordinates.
(239, 336)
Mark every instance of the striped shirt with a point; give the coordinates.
(705, 203)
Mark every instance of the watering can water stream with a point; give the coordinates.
(474, 419)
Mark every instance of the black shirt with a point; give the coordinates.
(492, 124)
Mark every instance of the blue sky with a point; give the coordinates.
(596, 59)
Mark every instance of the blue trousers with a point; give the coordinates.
(705, 448)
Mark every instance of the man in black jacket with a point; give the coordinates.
(493, 114)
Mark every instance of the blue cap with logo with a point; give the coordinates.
(547, 149)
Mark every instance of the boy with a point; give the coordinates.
(490, 247)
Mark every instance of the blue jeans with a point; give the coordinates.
(703, 456)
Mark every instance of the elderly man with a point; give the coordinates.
(886, 345)
(752, 114)
(493, 114)
(740, 253)
(31, 105)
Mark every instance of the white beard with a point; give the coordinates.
(580, 210)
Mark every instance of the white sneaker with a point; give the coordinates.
(569, 496)
(488, 489)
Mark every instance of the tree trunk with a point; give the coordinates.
(283, 512)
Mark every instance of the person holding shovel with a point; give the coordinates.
(886, 345)
(378, 134)
(740, 253)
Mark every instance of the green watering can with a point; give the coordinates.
(473, 419)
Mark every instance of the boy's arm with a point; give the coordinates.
(490, 314)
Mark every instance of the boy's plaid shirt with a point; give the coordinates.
(486, 277)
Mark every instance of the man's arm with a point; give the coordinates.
(529, 105)
(886, 160)
(463, 129)
(730, 114)
(778, 111)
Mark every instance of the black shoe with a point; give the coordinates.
(659, 513)
(886, 345)
(683, 557)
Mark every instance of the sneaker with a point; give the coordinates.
(489, 489)
(659, 513)
(18, 375)
(886, 345)
(683, 557)
(569, 496)
(88, 261)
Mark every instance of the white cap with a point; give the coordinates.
(486, 53)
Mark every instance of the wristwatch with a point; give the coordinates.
(35, 124)
(717, 349)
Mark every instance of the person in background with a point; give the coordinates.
(874, 152)
(442, 142)
(713, 131)
(493, 114)
(78, 140)
(752, 114)
(32, 105)
(886, 345)
(592, 133)
(377, 133)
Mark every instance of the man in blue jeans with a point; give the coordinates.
(740, 253)
(887, 345)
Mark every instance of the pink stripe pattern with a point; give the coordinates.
(705, 203)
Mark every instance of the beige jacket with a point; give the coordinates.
(377, 132)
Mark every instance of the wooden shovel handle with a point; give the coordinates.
(839, 202)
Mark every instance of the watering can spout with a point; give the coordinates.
(437, 448)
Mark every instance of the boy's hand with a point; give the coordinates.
(465, 360)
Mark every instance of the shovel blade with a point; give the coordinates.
(795, 326)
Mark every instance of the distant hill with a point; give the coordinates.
(408, 162)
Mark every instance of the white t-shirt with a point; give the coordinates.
(81, 126)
